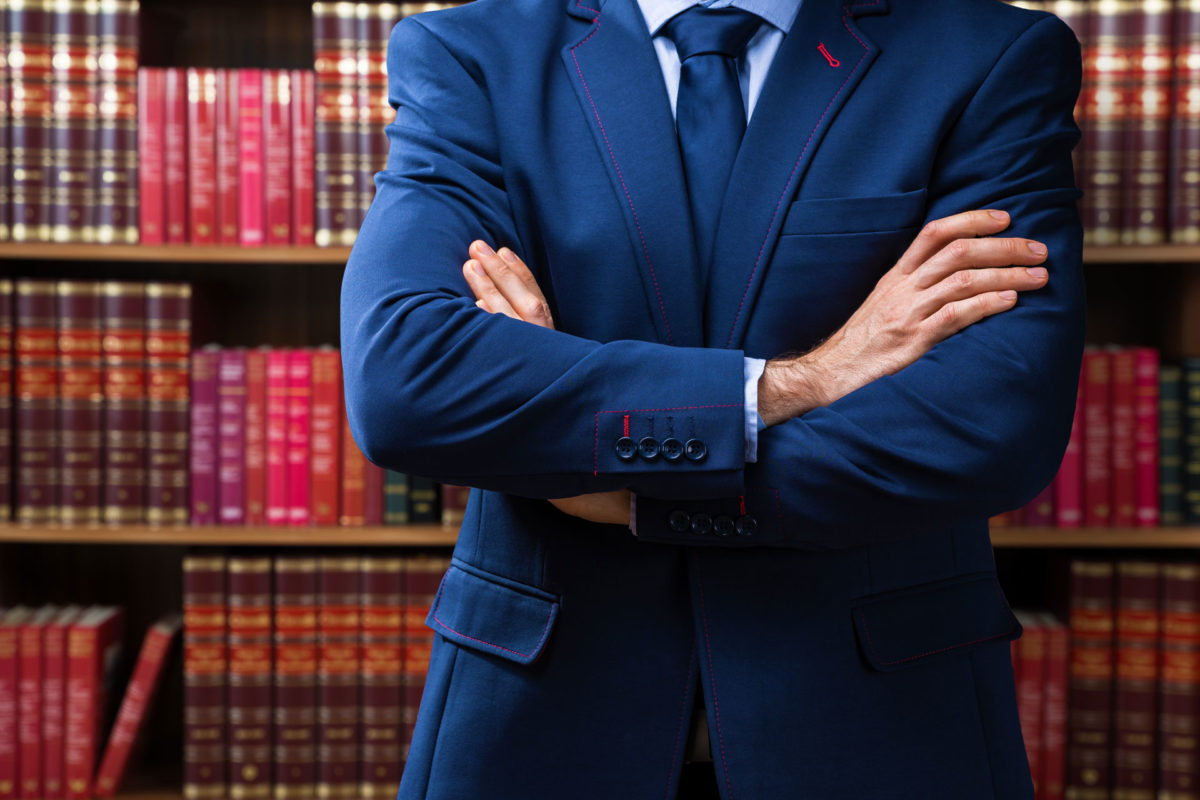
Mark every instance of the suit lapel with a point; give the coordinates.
(799, 100)
(616, 75)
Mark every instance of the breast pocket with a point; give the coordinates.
(841, 215)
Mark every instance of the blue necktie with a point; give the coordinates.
(710, 117)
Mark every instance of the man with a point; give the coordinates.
(635, 536)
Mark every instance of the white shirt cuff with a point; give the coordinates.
(752, 370)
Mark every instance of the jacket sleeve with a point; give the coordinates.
(979, 424)
(440, 388)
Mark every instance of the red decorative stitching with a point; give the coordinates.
(545, 629)
(783, 194)
(628, 197)
(682, 711)
(742, 504)
(833, 62)
(712, 681)
(579, 4)
(626, 424)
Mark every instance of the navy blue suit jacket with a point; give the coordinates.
(849, 635)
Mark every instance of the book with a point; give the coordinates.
(354, 469)
(299, 408)
(37, 402)
(1170, 445)
(1068, 482)
(6, 399)
(1184, 143)
(395, 498)
(325, 430)
(152, 154)
(1137, 674)
(203, 438)
(231, 436)
(93, 641)
(31, 701)
(295, 687)
(10, 680)
(202, 155)
(123, 348)
(250, 676)
(251, 165)
(175, 155)
(1097, 445)
(277, 437)
(205, 661)
(1191, 440)
(71, 144)
(1090, 682)
(303, 196)
(1179, 688)
(168, 346)
(1122, 401)
(116, 169)
(277, 156)
(424, 497)
(30, 114)
(382, 674)
(1106, 102)
(81, 402)
(1051, 786)
(338, 601)
(454, 504)
(1146, 501)
(227, 156)
(256, 436)
(336, 123)
(1031, 660)
(54, 701)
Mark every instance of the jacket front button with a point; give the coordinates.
(626, 449)
(679, 520)
(723, 525)
(745, 525)
(702, 524)
(648, 448)
(671, 448)
(695, 450)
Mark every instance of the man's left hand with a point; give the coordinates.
(502, 284)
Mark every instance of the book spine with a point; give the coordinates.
(81, 404)
(1191, 440)
(152, 154)
(375, 23)
(30, 113)
(295, 714)
(84, 708)
(1184, 193)
(1107, 85)
(338, 678)
(168, 345)
(1122, 411)
(303, 198)
(354, 465)
(256, 437)
(454, 503)
(123, 347)
(5, 177)
(29, 710)
(382, 727)
(1068, 483)
(251, 203)
(10, 677)
(299, 408)
(54, 707)
(205, 660)
(227, 156)
(175, 154)
(1054, 731)
(1040, 510)
(202, 155)
(72, 143)
(231, 436)
(37, 403)
(116, 172)
(277, 437)
(1097, 448)
(6, 399)
(250, 677)
(277, 155)
(423, 495)
(1170, 445)
(1031, 655)
(422, 575)
(374, 478)
(1090, 686)
(395, 498)
(326, 434)
(204, 435)
(1179, 689)
(336, 126)
(1146, 437)
(1137, 631)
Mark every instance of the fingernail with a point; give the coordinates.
(1038, 248)
(1037, 272)
(477, 268)
(483, 248)
(1008, 294)
(998, 214)
(508, 255)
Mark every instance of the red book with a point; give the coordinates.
(1122, 431)
(231, 436)
(204, 435)
(1090, 686)
(131, 717)
(1145, 454)
(37, 402)
(354, 465)
(1068, 483)
(1097, 445)
(175, 167)
(1054, 713)
(152, 154)
(423, 574)
(256, 437)
(382, 727)
(277, 437)
(6, 398)
(81, 402)
(54, 702)
(202, 155)
(374, 483)
(168, 345)
(205, 659)
(295, 715)
(227, 156)
(336, 123)
(326, 427)
(299, 407)
(30, 701)
(277, 155)
(1031, 657)
(123, 347)
(251, 203)
(303, 155)
(1179, 689)
(91, 644)
(454, 504)
(338, 678)
(250, 673)
(10, 681)
(1137, 673)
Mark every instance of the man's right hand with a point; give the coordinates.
(946, 280)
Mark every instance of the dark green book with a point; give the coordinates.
(1170, 445)
(395, 498)
(423, 501)
(1191, 440)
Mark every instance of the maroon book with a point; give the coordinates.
(338, 677)
(295, 714)
(277, 156)
(175, 155)
(1106, 87)
(227, 156)
(1068, 483)
(10, 679)
(1137, 672)
(31, 702)
(325, 430)
(29, 120)
(5, 177)
(382, 718)
(152, 155)
(249, 737)
(1090, 685)
(1097, 443)
(1146, 479)
(374, 112)
(202, 155)
(205, 661)
(256, 436)
(81, 402)
(1179, 688)
(374, 481)
(423, 574)
(1184, 192)
(72, 122)
(203, 437)
(37, 402)
(1147, 138)
(6, 399)
(454, 504)
(116, 172)
(123, 346)
(168, 346)
(1122, 400)
(336, 128)
(231, 436)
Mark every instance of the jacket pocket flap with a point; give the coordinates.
(493, 614)
(830, 215)
(899, 628)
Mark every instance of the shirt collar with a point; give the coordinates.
(779, 13)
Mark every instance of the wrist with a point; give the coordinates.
(791, 387)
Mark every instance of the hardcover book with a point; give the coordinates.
(250, 676)
(168, 347)
(205, 661)
(81, 402)
(123, 348)
(295, 714)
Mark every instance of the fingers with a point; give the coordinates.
(964, 254)
(940, 232)
(513, 280)
(967, 283)
(488, 297)
(953, 317)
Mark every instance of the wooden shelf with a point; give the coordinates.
(1016, 537)
(1142, 254)
(375, 535)
(174, 254)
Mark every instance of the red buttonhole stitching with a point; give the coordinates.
(626, 424)
(833, 62)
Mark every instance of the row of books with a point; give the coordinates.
(226, 156)
(56, 681)
(1139, 113)
(1040, 661)
(68, 121)
(303, 674)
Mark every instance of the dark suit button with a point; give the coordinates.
(701, 524)
(626, 449)
(679, 520)
(671, 448)
(695, 450)
(648, 447)
(722, 525)
(745, 525)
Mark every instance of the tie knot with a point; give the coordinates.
(722, 31)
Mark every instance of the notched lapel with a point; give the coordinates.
(617, 77)
(819, 64)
